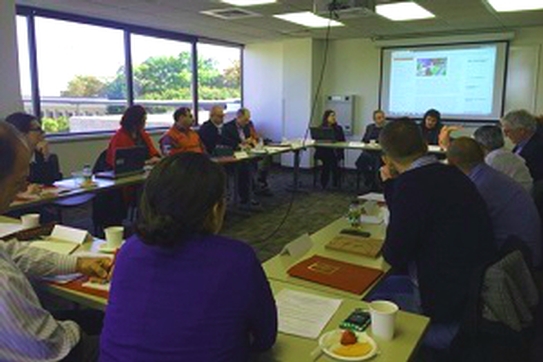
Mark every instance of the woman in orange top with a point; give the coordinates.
(180, 137)
(132, 133)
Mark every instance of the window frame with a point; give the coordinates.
(31, 12)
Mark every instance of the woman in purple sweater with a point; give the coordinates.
(179, 291)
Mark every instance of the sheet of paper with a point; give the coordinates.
(371, 219)
(303, 314)
(356, 144)
(99, 286)
(9, 228)
(241, 155)
(69, 234)
(434, 148)
(63, 279)
(64, 248)
(372, 196)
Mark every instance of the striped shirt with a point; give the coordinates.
(27, 331)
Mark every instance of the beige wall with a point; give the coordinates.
(10, 91)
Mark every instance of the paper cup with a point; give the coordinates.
(30, 220)
(383, 317)
(114, 236)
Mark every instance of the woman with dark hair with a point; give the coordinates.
(180, 292)
(132, 133)
(431, 126)
(330, 157)
(44, 168)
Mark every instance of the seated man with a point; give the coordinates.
(27, 331)
(496, 156)
(511, 208)
(210, 132)
(180, 137)
(237, 134)
(369, 162)
(439, 229)
(520, 126)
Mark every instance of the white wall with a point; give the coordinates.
(10, 89)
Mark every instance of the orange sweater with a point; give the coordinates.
(177, 140)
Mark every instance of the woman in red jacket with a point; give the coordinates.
(132, 133)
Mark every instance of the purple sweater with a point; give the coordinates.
(205, 300)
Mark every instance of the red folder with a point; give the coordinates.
(336, 274)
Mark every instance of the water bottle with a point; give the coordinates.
(87, 173)
(354, 214)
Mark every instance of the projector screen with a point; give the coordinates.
(463, 81)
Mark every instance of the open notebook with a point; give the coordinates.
(63, 240)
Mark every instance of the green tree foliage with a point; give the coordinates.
(85, 86)
(52, 125)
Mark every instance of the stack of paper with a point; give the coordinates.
(7, 229)
(372, 196)
(302, 314)
(63, 240)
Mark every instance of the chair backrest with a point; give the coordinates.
(100, 164)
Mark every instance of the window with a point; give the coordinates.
(162, 77)
(219, 79)
(81, 71)
(24, 63)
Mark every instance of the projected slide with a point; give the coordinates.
(462, 82)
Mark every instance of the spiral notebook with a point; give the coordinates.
(336, 274)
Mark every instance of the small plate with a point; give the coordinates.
(328, 342)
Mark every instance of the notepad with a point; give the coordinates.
(369, 247)
(8, 229)
(63, 240)
(336, 274)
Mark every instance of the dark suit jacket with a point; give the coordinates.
(372, 133)
(230, 135)
(532, 152)
(439, 222)
(338, 153)
(209, 134)
(43, 171)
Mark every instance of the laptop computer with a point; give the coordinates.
(322, 134)
(128, 161)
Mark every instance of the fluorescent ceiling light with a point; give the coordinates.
(404, 11)
(516, 5)
(308, 19)
(248, 2)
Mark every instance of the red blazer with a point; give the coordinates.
(122, 139)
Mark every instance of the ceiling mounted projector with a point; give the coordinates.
(344, 8)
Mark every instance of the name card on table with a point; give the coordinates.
(298, 247)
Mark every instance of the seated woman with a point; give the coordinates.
(44, 169)
(132, 133)
(330, 157)
(180, 292)
(431, 126)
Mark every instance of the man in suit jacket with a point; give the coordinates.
(237, 134)
(439, 229)
(211, 131)
(369, 162)
(520, 127)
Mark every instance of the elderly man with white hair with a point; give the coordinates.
(520, 127)
(490, 138)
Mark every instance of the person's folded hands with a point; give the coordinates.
(94, 267)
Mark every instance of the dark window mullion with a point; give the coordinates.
(33, 60)
(195, 100)
(128, 71)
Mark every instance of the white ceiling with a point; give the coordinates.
(452, 16)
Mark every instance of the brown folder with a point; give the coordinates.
(356, 245)
(336, 274)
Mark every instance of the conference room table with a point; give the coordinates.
(371, 147)
(73, 187)
(276, 268)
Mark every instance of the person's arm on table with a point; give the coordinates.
(263, 317)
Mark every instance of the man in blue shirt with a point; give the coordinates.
(511, 208)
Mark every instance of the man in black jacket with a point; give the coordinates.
(520, 127)
(211, 131)
(439, 228)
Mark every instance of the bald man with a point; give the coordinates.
(511, 208)
(27, 331)
(211, 131)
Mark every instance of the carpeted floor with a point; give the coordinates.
(311, 210)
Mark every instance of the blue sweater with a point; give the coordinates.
(205, 300)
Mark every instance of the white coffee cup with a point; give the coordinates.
(114, 236)
(373, 142)
(30, 220)
(383, 318)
